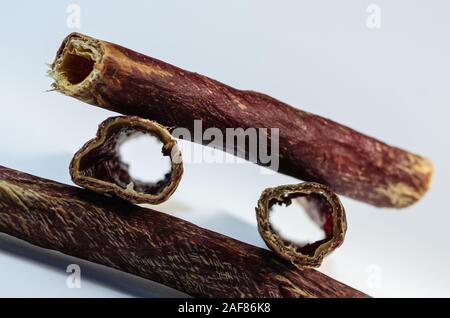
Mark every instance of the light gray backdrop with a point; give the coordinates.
(326, 57)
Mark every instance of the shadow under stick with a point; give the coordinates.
(311, 147)
(150, 244)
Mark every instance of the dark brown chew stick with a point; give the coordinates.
(150, 244)
(321, 204)
(311, 148)
(97, 166)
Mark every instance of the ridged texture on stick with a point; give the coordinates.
(149, 244)
(322, 206)
(97, 166)
(311, 147)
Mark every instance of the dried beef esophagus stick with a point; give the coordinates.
(311, 147)
(97, 166)
(150, 244)
(324, 208)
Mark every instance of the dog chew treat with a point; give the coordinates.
(97, 166)
(324, 208)
(150, 244)
(311, 147)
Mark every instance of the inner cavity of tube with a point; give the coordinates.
(144, 158)
(77, 64)
(300, 222)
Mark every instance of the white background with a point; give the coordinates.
(392, 83)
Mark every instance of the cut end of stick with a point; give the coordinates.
(76, 64)
(402, 194)
(324, 208)
(98, 166)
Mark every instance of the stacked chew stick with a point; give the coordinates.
(101, 223)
